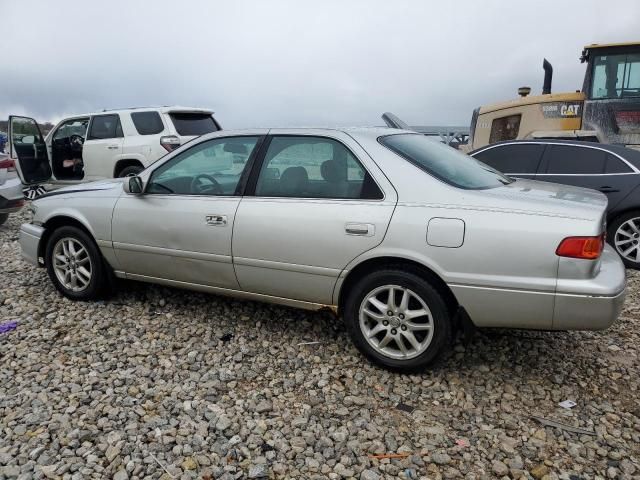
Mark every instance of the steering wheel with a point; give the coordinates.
(203, 188)
(76, 141)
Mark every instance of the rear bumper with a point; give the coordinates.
(11, 196)
(30, 236)
(592, 304)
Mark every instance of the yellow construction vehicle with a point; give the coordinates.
(606, 110)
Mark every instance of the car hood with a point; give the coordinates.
(109, 188)
(544, 198)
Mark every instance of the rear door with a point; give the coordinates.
(520, 160)
(312, 206)
(27, 146)
(103, 146)
(590, 167)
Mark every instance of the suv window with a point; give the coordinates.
(105, 126)
(147, 123)
(517, 158)
(213, 167)
(313, 167)
(193, 123)
(615, 165)
(77, 126)
(566, 159)
(443, 162)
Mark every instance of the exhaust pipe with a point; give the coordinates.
(548, 75)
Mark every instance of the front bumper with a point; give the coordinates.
(592, 304)
(30, 236)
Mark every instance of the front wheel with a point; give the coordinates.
(624, 235)
(398, 319)
(74, 264)
(130, 171)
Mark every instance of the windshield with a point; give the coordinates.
(444, 162)
(616, 76)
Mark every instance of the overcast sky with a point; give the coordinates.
(287, 63)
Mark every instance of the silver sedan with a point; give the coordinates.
(405, 238)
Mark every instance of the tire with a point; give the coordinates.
(87, 288)
(421, 294)
(132, 170)
(3, 218)
(621, 232)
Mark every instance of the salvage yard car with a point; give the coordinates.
(404, 237)
(108, 144)
(11, 198)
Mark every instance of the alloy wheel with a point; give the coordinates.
(396, 322)
(627, 240)
(72, 264)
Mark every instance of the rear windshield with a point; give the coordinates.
(443, 162)
(193, 123)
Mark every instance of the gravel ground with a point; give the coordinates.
(163, 383)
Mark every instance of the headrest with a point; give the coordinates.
(333, 172)
(294, 181)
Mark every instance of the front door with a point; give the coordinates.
(27, 145)
(102, 147)
(312, 208)
(180, 228)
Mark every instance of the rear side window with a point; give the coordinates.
(193, 123)
(147, 123)
(615, 165)
(105, 126)
(443, 162)
(505, 128)
(519, 158)
(566, 159)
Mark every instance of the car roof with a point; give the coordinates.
(161, 109)
(629, 154)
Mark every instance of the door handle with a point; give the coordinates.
(607, 189)
(363, 229)
(113, 147)
(216, 220)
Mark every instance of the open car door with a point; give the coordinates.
(27, 145)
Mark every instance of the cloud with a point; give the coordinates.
(287, 63)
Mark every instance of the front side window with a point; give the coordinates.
(147, 123)
(443, 162)
(517, 158)
(313, 167)
(76, 126)
(213, 167)
(565, 159)
(505, 128)
(615, 76)
(105, 126)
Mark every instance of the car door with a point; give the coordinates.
(514, 159)
(314, 203)
(103, 146)
(180, 228)
(27, 145)
(589, 167)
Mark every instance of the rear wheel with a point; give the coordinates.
(624, 235)
(130, 171)
(398, 319)
(3, 217)
(74, 264)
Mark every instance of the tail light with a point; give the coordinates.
(588, 248)
(8, 163)
(170, 142)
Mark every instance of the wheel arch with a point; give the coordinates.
(377, 263)
(57, 221)
(124, 163)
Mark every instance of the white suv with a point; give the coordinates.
(111, 143)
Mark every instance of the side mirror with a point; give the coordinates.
(133, 185)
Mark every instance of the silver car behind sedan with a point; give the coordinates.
(402, 236)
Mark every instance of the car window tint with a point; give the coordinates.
(213, 167)
(105, 126)
(76, 126)
(615, 165)
(147, 123)
(193, 123)
(569, 159)
(313, 167)
(443, 162)
(517, 158)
